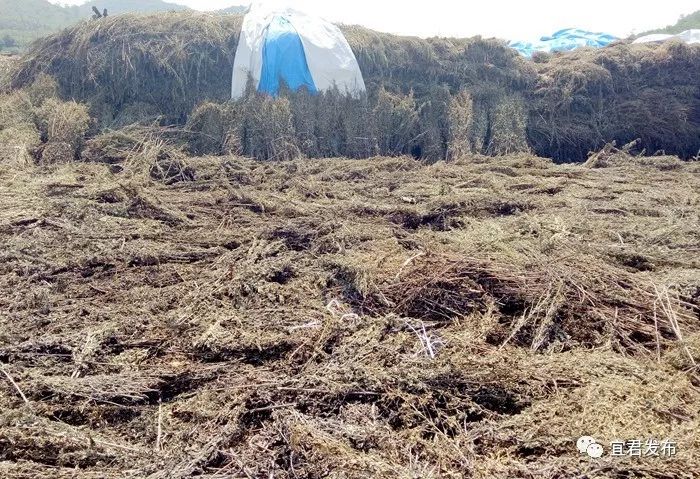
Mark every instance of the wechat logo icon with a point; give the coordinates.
(589, 445)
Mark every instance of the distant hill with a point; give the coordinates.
(125, 6)
(25, 20)
(22, 21)
(686, 22)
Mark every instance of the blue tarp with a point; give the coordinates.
(564, 40)
(284, 59)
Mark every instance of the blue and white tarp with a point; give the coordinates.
(285, 46)
(284, 59)
(691, 37)
(563, 40)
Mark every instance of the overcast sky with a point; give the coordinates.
(501, 18)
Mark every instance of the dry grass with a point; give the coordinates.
(155, 69)
(177, 61)
(35, 125)
(589, 97)
(173, 61)
(338, 318)
(7, 67)
(63, 121)
(460, 117)
(168, 316)
(18, 131)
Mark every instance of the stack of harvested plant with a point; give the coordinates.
(332, 124)
(214, 128)
(460, 119)
(63, 126)
(171, 61)
(324, 125)
(33, 120)
(17, 128)
(587, 98)
(267, 130)
(176, 61)
(158, 68)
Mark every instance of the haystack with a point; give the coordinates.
(158, 68)
(397, 120)
(173, 62)
(587, 98)
(460, 117)
(209, 126)
(63, 121)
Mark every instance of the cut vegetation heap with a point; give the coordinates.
(131, 67)
(171, 309)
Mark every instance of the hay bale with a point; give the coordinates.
(63, 122)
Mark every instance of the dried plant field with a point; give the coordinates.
(218, 317)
